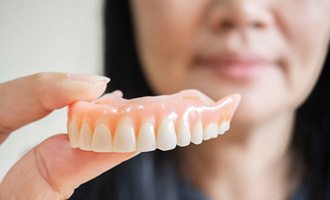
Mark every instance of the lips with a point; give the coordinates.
(239, 66)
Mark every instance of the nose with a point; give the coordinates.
(239, 14)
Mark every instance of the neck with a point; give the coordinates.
(246, 163)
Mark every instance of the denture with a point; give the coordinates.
(114, 124)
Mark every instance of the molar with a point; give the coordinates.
(223, 127)
(226, 126)
(210, 131)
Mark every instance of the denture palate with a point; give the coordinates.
(114, 124)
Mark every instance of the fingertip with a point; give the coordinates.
(60, 89)
(87, 77)
(87, 87)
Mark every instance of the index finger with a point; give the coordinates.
(30, 98)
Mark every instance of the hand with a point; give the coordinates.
(52, 169)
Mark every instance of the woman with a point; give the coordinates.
(278, 144)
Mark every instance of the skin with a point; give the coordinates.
(173, 35)
(52, 169)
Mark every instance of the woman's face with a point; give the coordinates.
(270, 51)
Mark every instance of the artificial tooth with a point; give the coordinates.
(210, 131)
(85, 139)
(183, 134)
(221, 128)
(227, 126)
(102, 139)
(124, 139)
(197, 133)
(146, 137)
(215, 129)
(224, 126)
(73, 132)
(166, 136)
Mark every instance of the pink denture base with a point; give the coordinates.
(187, 106)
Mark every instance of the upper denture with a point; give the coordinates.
(176, 119)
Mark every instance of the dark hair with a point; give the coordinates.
(312, 136)
(153, 175)
(121, 60)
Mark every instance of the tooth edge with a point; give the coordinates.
(166, 135)
(210, 131)
(85, 139)
(146, 138)
(183, 134)
(197, 133)
(73, 133)
(124, 139)
(102, 132)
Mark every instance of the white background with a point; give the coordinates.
(46, 35)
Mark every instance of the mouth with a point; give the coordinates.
(237, 66)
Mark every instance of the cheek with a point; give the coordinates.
(306, 32)
(168, 32)
(165, 33)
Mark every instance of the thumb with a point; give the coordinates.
(32, 97)
(53, 169)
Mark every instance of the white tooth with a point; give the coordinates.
(183, 134)
(226, 126)
(197, 133)
(85, 139)
(214, 129)
(221, 128)
(166, 136)
(124, 139)
(102, 139)
(73, 132)
(210, 131)
(146, 138)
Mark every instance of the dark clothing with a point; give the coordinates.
(149, 176)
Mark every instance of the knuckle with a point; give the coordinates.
(45, 83)
(41, 77)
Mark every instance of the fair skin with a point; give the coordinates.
(274, 56)
(52, 169)
(267, 50)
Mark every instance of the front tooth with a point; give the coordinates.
(102, 139)
(146, 138)
(85, 139)
(124, 139)
(210, 131)
(73, 132)
(166, 136)
(183, 134)
(197, 133)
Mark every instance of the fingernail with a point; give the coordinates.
(88, 77)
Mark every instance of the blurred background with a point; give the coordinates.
(46, 35)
